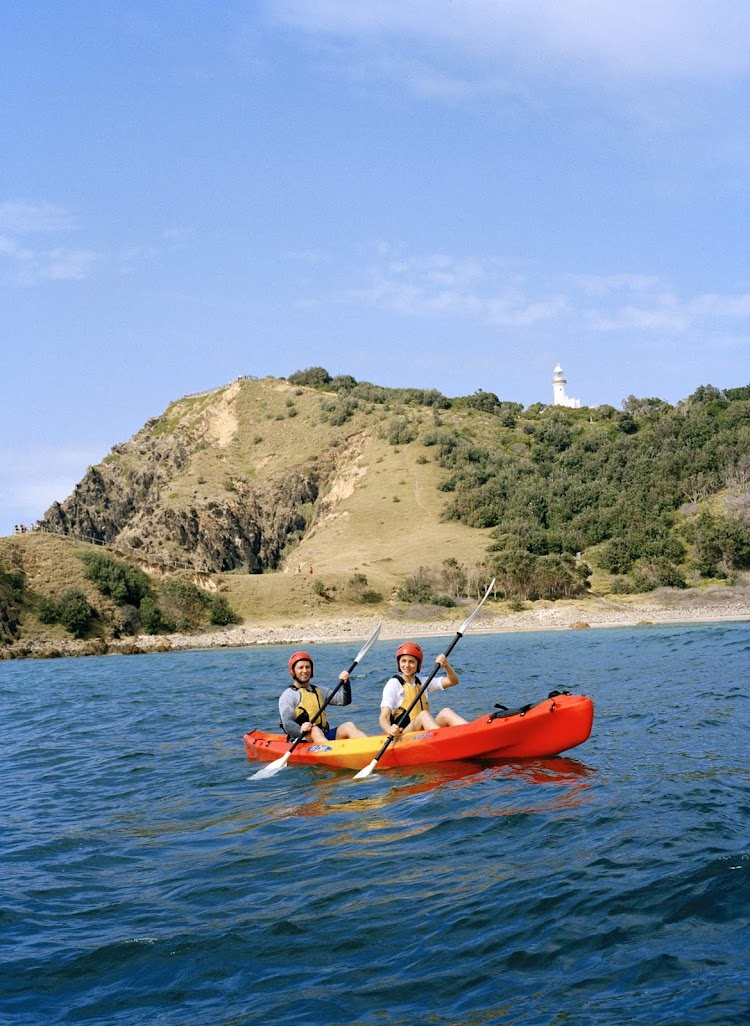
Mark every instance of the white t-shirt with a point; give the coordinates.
(393, 693)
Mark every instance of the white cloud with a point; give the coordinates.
(670, 316)
(30, 267)
(667, 312)
(482, 292)
(20, 217)
(643, 38)
(27, 264)
(715, 305)
(441, 286)
(603, 285)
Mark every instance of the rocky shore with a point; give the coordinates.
(663, 606)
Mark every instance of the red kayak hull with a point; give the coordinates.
(554, 725)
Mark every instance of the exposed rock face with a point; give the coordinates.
(125, 503)
(248, 531)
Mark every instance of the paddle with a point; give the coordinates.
(278, 764)
(367, 770)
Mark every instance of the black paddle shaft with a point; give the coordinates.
(320, 711)
(405, 715)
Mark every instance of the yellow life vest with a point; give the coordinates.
(410, 693)
(310, 703)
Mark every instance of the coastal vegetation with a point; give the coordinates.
(321, 495)
(655, 495)
(109, 598)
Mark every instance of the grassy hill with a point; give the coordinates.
(317, 497)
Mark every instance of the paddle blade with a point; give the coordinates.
(272, 768)
(465, 626)
(367, 646)
(366, 771)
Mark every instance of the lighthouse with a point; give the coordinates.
(559, 396)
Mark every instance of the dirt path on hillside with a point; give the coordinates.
(418, 497)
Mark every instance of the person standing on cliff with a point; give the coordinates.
(302, 702)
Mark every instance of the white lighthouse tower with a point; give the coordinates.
(559, 396)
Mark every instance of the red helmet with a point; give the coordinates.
(297, 657)
(410, 648)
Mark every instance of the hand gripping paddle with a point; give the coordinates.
(278, 764)
(459, 634)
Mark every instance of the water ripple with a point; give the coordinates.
(147, 880)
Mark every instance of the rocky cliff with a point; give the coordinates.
(186, 489)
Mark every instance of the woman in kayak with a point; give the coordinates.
(403, 687)
(300, 704)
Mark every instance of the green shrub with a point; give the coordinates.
(400, 431)
(358, 590)
(48, 610)
(183, 604)
(313, 377)
(486, 401)
(418, 586)
(338, 411)
(150, 615)
(120, 581)
(75, 613)
(221, 613)
(320, 589)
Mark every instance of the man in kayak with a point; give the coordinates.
(401, 690)
(300, 704)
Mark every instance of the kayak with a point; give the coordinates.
(547, 728)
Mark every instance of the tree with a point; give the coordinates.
(453, 577)
(418, 586)
(514, 572)
(313, 377)
(486, 401)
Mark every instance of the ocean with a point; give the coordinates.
(148, 880)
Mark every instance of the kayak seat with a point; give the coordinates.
(502, 711)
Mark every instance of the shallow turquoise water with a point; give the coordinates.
(148, 880)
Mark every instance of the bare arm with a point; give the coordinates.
(452, 677)
(385, 722)
(344, 695)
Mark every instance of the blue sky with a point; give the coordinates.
(450, 194)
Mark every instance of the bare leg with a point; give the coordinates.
(422, 721)
(447, 718)
(348, 730)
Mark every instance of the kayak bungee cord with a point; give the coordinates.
(366, 772)
(278, 764)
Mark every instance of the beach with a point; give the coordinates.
(666, 605)
(681, 607)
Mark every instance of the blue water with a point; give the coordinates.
(147, 880)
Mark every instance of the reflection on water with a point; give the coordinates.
(590, 891)
(332, 795)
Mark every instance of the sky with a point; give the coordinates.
(449, 194)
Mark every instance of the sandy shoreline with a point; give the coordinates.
(713, 605)
(553, 617)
